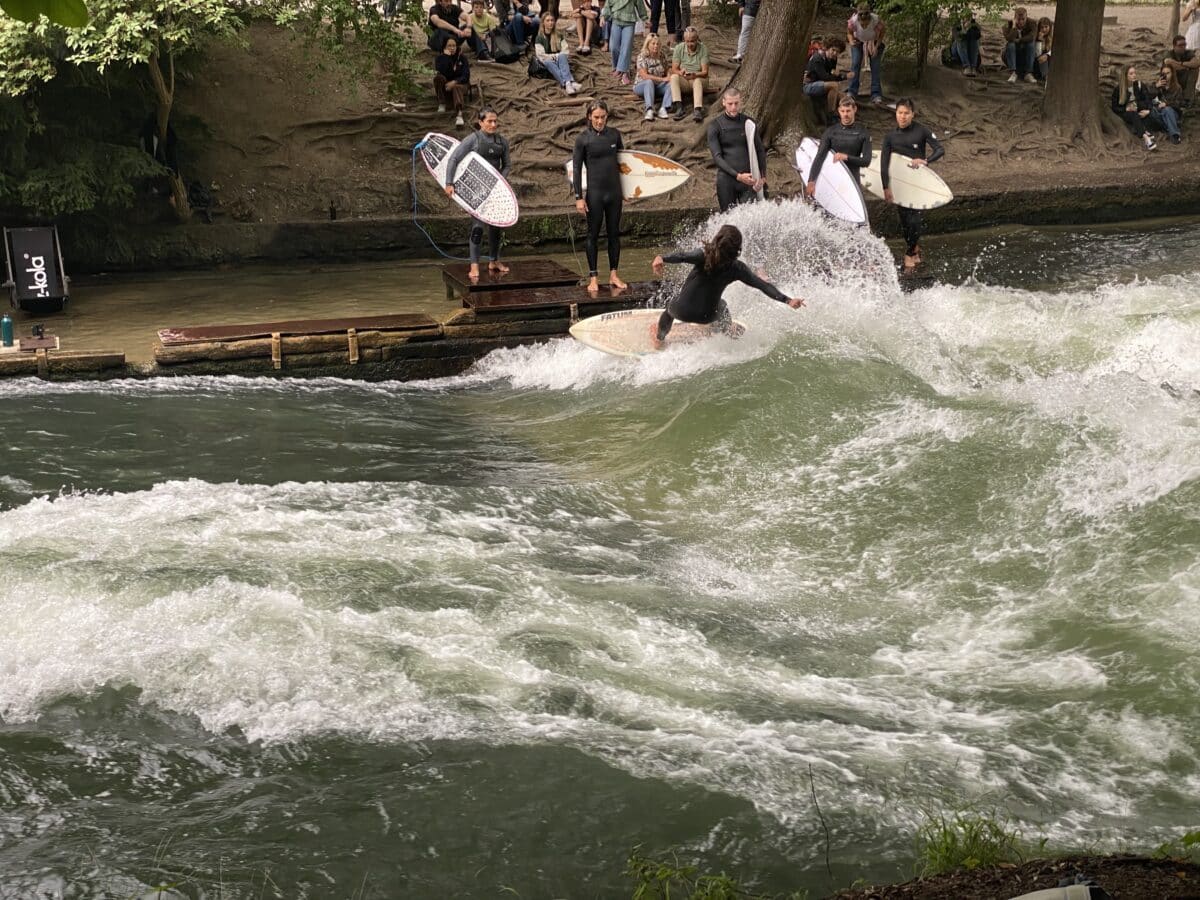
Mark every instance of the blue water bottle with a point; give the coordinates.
(6, 331)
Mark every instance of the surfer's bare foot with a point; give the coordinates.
(615, 282)
(473, 272)
(593, 285)
(910, 264)
(497, 266)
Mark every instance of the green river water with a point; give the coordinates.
(443, 639)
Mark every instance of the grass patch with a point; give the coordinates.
(966, 839)
(668, 879)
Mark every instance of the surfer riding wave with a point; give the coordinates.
(715, 266)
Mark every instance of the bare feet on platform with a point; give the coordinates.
(498, 267)
(615, 282)
(473, 272)
(594, 285)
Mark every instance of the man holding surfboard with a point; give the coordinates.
(729, 144)
(493, 148)
(913, 140)
(849, 142)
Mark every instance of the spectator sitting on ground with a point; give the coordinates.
(689, 70)
(747, 12)
(964, 44)
(816, 45)
(551, 52)
(652, 78)
(522, 24)
(1020, 34)
(1131, 101)
(452, 79)
(444, 18)
(587, 25)
(865, 32)
(1041, 48)
(1184, 63)
(822, 81)
(478, 23)
(1169, 94)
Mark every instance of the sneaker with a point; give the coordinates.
(662, 113)
(698, 115)
(483, 56)
(736, 60)
(1029, 79)
(585, 50)
(877, 100)
(680, 111)
(969, 72)
(569, 87)
(578, 87)
(1175, 138)
(1149, 141)
(649, 116)
(441, 107)
(1012, 77)
(966, 70)
(458, 120)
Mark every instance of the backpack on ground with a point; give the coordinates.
(503, 48)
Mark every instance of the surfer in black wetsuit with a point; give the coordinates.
(494, 148)
(597, 149)
(911, 139)
(848, 141)
(715, 266)
(731, 152)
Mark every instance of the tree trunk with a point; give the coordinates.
(1072, 105)
(923, 36)
(1174, 28)
(164, 95)
(773, 87)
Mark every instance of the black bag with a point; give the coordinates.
(537, 70)
(503, 48)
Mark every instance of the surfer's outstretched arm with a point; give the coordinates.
(747, 276)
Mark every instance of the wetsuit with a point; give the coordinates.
(853, 140)
(911, 142)
(598, 151)
(700, 298)
(494, 149)
(727, 144)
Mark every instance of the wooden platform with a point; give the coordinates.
(196, 334)
(524, 273)
(547, 297)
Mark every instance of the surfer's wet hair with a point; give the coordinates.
(485, 111)
(907, 101)
(723, 249)
(595, 105)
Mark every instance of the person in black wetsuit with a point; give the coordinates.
(848, 141)
(494, 148)
(597, 149)
(715, 266)
(727, 144)
(911, 139)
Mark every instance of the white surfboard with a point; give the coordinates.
(755, 172)
(919, 188)
(837, 188)
(479, 188)
(642, 174)
(627, 332)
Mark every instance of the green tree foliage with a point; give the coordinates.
(917, 26)
(70, 13)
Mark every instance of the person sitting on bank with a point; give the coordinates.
(451, 80)
(689, 72)
(488, 143)
(1185, 63)
(1168, 93)
(444, 18)
(865, 32)
(964, 44)
(652, 78)
(587, 24)
(1131, 100)
(522, 25)
(848, 141)
(551, 53)
(822, 81)
(748, 11)
(478, 23)
(1020, 34)
(1042, 46)
(715, 266)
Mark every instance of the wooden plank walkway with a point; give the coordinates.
(196, 334)
(543, 297)
(524, 273)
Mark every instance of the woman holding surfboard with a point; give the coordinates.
(602, 201)
(715, 266)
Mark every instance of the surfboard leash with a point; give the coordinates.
(413, 184)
